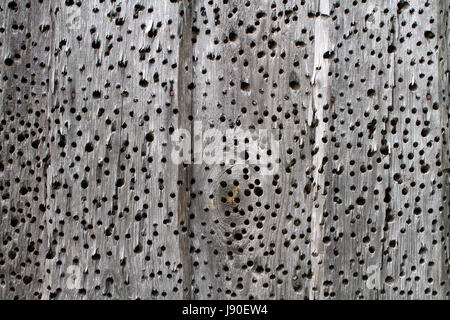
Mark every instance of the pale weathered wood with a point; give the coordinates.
(94, 205)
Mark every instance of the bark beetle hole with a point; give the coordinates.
(12, 5)
(89, 147)
(245, 86)
(371, 92)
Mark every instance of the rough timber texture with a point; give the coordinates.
(358, 93)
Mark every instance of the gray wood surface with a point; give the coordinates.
(354, 94)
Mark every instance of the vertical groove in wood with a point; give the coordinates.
(320, 97)
(185, 75)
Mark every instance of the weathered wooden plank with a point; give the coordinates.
(132, 203)
(113, 207)
(95, 205)
(25, 53)
(253, 65)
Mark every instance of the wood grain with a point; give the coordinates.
(94, 95)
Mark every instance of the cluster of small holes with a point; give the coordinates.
(86, 177)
